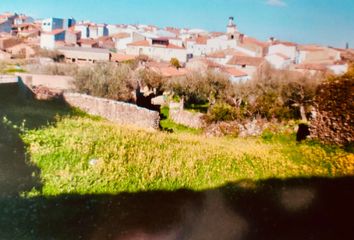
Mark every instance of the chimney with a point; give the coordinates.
(241, 38)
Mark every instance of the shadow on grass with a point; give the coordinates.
(16, 174)
(317, 208)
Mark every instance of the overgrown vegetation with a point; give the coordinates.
(107, 80)
(81, 155)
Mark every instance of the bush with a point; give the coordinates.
(223, 112)
(174, 62)
(277, 94)
(200, 88)
(107, 80)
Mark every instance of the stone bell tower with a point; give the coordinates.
(231, 29)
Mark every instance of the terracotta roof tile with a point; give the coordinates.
(243, 60)
(235, 72)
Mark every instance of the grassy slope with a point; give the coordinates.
(129, 159)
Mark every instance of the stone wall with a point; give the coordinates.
(189, 119)
(50, 81)
(334, 115)
(118, 112)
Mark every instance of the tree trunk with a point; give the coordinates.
(303, 113)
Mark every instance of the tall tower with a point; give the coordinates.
(231, 26)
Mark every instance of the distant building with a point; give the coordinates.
(85, 55)
(51, 24)
(158, 49)
(49, 39)
(5, 26)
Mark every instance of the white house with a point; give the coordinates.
(287, 49)
(51, 24)
(97, 30)
(49, 39)
(279, 61)
(236, 75)
(338, 69)
(21, 19)
(309, 54)
(83, 28)
(246, 64)
(158, 49)
(220, 43)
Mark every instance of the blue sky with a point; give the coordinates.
(328, 22)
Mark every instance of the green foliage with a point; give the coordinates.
(201, 88)
(151, 79)
(174, 62)
(223, 112)
(107, 80)
(277, 94)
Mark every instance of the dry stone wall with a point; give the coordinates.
(118, 112)
(189, 119)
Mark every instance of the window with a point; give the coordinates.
(243, 65)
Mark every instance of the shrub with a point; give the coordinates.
(277, 94)
(223, 112)
(174, 62)
(107, 80)
(200, 88)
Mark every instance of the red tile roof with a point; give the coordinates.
(235, 72)
(249, 40)
(121, 35)
(243, 60)
(201, 40)
(54, 32)
(316, 67)
(117, 57)
(226, 52)
(144, 43)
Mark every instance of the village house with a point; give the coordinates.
(97, 30)
(224, 56)
(5, 26)
(158, 49)
(121, 58)
(49, 39)
(309, 54)
(85, 55)
(166, 70)
(122, 39)
(83, 28)
(8, 41)
(51, 24)
(72, 36)
(287, 49)
(21, 50)
(246, 64)
(8, 16)
(26, 30)
(279, 61)
(22, 19)
(236, 75)
(88, 43)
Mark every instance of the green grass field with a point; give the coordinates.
(83, 155)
